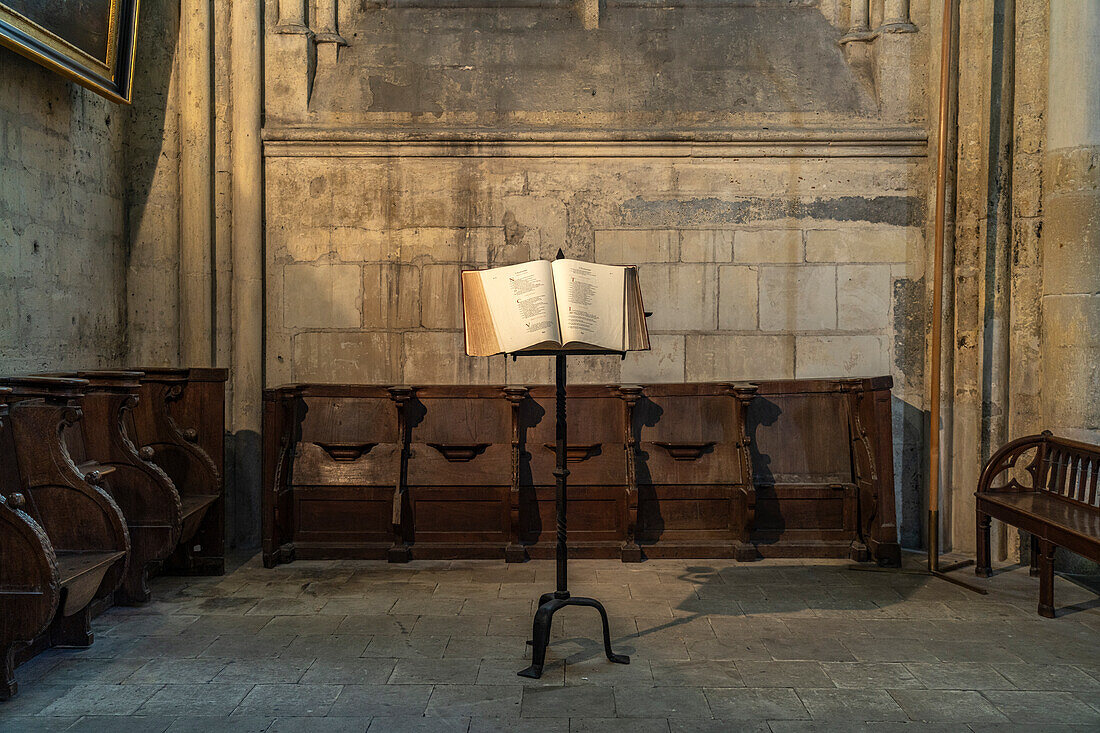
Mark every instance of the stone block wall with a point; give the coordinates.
(62, 223)
(364, 257)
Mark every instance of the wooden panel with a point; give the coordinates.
(376, 465)
(348, 514)
(799, 438)
(334, 420)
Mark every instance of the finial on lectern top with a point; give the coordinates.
(561, 255)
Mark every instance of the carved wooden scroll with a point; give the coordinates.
(30, 583)
(630, 552)
(515, 551)
(84, 525)
(400, 551)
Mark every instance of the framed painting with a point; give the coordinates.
(88, 41)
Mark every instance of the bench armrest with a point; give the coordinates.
(29, 579)
(76, 515)
(1007, 457)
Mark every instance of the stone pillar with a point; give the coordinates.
(859, 22)
(246, 376)
(1071, 238)
(292, 17)
(196, 186)
(589, 13)
(327, 38)
(895, 17)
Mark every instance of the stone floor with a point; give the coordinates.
(714, 645)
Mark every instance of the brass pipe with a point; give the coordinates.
(947, 41)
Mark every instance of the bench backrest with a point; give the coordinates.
(1069, 469)
(1065, 468)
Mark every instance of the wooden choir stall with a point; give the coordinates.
(105, 477)
(792, 468)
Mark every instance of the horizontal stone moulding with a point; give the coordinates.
(306, 143)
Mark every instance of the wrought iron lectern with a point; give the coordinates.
(550, 603)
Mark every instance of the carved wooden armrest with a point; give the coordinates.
(1006, 457)
(93, 472)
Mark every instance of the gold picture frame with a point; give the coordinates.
(89, 41)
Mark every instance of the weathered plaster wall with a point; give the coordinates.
(62, 223)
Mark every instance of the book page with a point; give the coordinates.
(590, 303)
(522, 302)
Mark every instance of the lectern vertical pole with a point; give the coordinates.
(550, 603)
(560, 474)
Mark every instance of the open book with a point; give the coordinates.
(553, 305)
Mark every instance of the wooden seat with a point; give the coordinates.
(1047, 486)
(449, 471)
(147, 496)
(178, 422)
(80, 574)
(194, 511)
(1079, 521)
(63, 540)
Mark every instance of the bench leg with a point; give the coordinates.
(1034, 556)
(8, 686)
(72, 631)
(983, 567)
(134, 589)
(1046, 579)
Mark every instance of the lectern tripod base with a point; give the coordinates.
(548, 604)
(551, 603)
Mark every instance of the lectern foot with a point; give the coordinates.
(549, 604)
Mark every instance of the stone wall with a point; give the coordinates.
(62, 223)
(767, 279)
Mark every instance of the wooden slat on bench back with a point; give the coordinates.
(1069, 470)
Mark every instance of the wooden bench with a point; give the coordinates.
(179, 424)
(1046, 486)
(63, 540)
(662, 470)
(144, 492)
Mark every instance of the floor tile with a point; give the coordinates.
(212, 698)
(947, 706)
(578, 701)
(638, 701)
(288, 700)
(381, 700)
(848, 705)
(732, 703)
(480, 701)
(101, 700)
(435, 671)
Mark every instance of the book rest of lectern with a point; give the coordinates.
(550, 603)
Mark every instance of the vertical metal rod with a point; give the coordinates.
(560, 473)
(937, 294)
